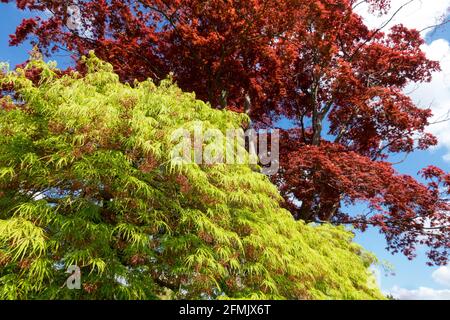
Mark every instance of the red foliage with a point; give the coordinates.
(311, 61)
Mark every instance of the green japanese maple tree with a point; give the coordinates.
(87, 179)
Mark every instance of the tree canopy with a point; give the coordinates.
(87, 179)
(314, 63)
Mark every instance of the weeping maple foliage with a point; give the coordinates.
(313, 62)
(87, 179)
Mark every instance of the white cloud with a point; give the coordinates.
(418, 14)
(442, 276)
(436, 94)
(422, 293)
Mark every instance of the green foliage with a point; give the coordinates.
(86, 179)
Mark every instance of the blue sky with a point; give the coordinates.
(409, 276)
(9, 19)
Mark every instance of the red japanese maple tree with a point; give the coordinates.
(313, 62)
